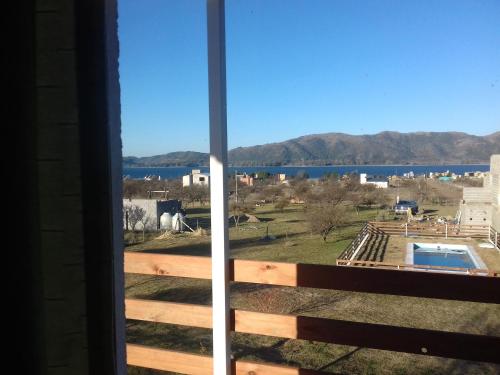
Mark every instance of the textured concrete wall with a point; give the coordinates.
(59, 189)
(495, 190)
(476, 214)
(477, 194)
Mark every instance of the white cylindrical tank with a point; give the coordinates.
(166, 221)
(177, 222)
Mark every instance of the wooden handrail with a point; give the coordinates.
(356, 279)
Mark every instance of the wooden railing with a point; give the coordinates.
(368, 335)
(356, 243)
(432, 230)
(416, 267)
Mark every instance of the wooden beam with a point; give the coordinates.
(193, 364)
(168, 265)
(168, 360)
(355, 279)
(169, 312)
(367, 335)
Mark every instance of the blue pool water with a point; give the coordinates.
(448, 259)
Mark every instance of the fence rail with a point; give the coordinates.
(195, 364)
(372, 280)
(435, 230)
(357, 242)
(354, 279)
(416, 267)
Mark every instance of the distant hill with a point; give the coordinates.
(179, 158)
(339, 148)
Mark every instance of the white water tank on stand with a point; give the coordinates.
(166, 221)
(178, 222)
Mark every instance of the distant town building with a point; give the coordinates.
(196, 178)
(380, 182)
(280, 177)
(153, 208)
(246, 179)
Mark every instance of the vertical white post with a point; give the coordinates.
(406, 230)
(218, 187)
(446, 228)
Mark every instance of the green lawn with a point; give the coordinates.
(294, 243)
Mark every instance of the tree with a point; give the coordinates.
(145, 220)
(324, 219)
(135, 215)
(238, 210)
(301, 189)
(281, 204)
(195, 193)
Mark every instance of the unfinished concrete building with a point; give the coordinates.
(480, 205)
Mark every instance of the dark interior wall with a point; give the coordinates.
(65, 101)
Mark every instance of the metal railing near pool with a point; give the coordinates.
(494, 237)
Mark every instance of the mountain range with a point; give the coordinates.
(344, 149)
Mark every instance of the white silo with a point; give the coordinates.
(166, 221)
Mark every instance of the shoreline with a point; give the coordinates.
(321, 166)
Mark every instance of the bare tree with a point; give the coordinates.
(324, 219)
(135, 215)
(281, 204)
(301, 189)
(145, 220)
(196, 193)
(238, 210)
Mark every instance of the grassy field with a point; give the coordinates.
(294, 243)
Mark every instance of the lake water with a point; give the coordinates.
(313, 172)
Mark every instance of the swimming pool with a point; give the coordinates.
(443, 255)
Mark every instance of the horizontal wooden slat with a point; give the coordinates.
(252, 368)
(275, 273)
(169, 312)
(355, 279)
(367, 335)
(168, 265)
(192, 364)
(168, 360)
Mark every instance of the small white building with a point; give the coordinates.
(382, 183)
(196, 178)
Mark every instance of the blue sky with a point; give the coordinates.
(297, 67)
